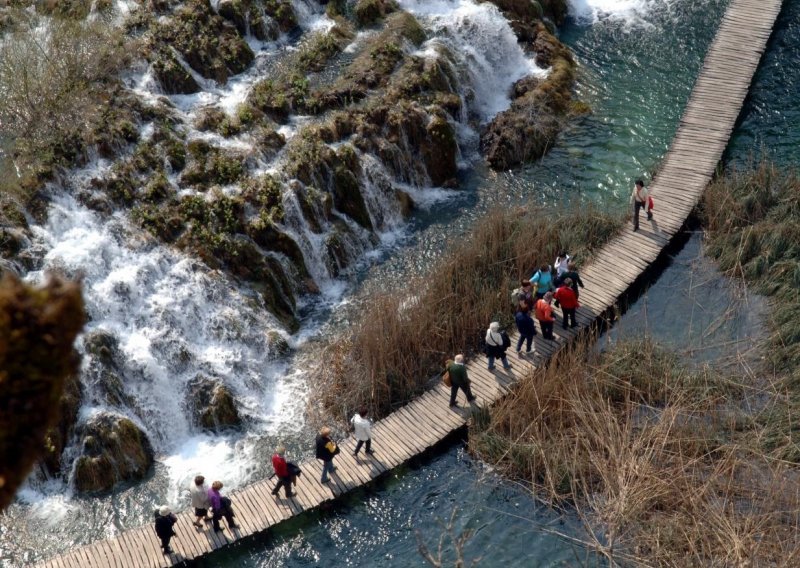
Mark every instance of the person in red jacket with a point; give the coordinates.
(544, 313)
(282, 472)
(566, 296)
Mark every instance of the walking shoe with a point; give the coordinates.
(220, 529)
(233, 526)
(370, 452)
(324, 480)
(491, 368)
(291, 495)
(649, 216)
(167, 551)
(635, 229)
(453, 405)
(473, 399)
(198, 524)
(355, 453)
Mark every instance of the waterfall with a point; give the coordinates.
(484, 46)
(626, 11)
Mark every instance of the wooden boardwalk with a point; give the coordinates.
(703, 134)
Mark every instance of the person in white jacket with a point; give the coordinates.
(363, 430)
(199, 493)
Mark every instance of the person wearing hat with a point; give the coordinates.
(282, 472)
(326, 450)
(164, 523)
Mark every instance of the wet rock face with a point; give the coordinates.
(439, 152)
(113, 450)
(106, 368)
(171, 75)
(211, 404)
(209, 44)
(68, 405)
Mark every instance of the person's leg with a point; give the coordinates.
(325, 469)
(506, 364)
(359, 443)
(229, 519)
(215, 520)
(453, 394)
(369, 446)
(573, 321)
(519, 343)
(528, 342)
(281, 483)
(564, 317)
(491, 362)
(547, 329)
(468, 391)
(165, 544)
(636, 206)
(287, 485)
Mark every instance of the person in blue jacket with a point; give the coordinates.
(526, 329)
(542, 281)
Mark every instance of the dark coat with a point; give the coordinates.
(323, 450)
(164, 526)
(576, 280)
(524, 323)
(458, 374)
(496, 351)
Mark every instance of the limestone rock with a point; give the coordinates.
(212, 404)
(113, 450)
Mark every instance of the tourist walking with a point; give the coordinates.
(542, 281)
(523, 296)
(526, 329)
(572, 274)
(221, 506)
(198, 491)
(326, 450)
(544, 313)
(566, 297)
(282, 472)
(459, 380)
(560, 265)
(164, 527)
(496, 345)
(639, 201)
(363, 430)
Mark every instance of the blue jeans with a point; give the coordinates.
(503, 359)
(327, 467)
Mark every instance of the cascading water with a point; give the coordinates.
(480, 40)
(626, 11)
(174, 319)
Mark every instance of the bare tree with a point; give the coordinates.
(449, 536)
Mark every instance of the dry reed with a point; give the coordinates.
(650, 458)
(404, 336)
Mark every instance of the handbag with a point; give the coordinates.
(446, 379)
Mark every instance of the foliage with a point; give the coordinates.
(37, 329)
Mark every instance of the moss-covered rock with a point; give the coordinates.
(171, 75)
(212, 166)
(282, 13)
(269, 237)
(278, 346)
(529, 127)
(37, 330)
(439, 150)
(105, 369)
(210, 45)
(211, 404)
(113, 450)
(370, 12)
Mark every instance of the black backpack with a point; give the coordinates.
(506, 339)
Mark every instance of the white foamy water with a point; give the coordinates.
(631, 12)
(484, 46)
(174, 319)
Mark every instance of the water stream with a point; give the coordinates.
(638, 61)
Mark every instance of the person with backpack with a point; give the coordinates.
(542, 281)
(496, 344)
(523, 297)
(459, 380)
(544, 313)
(572, 274)
(326, 450)
(281, 468)
(566, 297)
(363, 430)
(165, 521)
(526, 329)
(221, 506)
(199, 495)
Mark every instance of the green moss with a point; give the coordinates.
(265, 193)
(37, 329)
(114, 450)
(211, 166)
(210, 46)
(371, 12)
(282, 12)
(171, 75)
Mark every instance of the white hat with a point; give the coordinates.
(164, 510)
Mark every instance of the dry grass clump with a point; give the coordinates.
(644, 451)
(403, 336)
(753, 224)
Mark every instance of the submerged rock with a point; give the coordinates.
(211, 404)
(113, 450)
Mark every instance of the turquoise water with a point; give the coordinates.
(637, 79)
